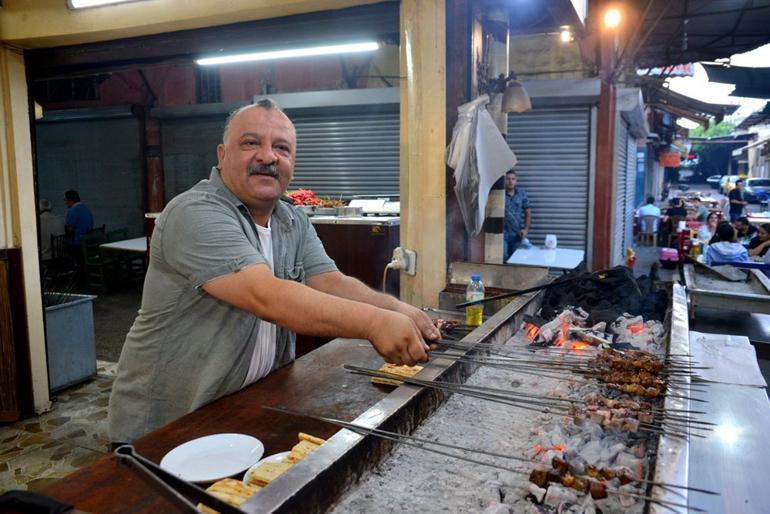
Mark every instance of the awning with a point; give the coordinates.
(757, 117)
(749, 82)
(660, 97)
(699, 30)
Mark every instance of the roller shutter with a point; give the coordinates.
(621, 164)
(625, 191)
(344, 154)
(351, 154)
(552, 146)
(630, 206)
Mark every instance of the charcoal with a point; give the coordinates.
(606, 296)
(623, 346)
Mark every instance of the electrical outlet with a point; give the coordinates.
(411, 262)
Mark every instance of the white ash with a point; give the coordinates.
(414, 480)
(714, 284)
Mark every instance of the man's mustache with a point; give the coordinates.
(270, 170)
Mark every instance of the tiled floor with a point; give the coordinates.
(73, 434)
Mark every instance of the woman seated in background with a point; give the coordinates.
(708, 229)
(761, 242)
(723, 247)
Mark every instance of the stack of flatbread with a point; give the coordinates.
(235, 492)
(402, 371)
(229, 491)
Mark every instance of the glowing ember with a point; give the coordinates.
(531, 330)
(564, 327)
(636, 328)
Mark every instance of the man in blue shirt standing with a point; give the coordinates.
(518, 215)
(79, 219)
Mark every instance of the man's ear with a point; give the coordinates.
(220, 155)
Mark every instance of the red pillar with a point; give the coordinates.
(603, 182)
(154, 168)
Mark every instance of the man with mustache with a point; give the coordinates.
(234, 273)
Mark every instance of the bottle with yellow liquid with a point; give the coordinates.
(474, 291)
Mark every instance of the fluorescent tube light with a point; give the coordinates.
(81, 4)
(291, 53)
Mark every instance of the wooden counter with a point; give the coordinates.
(315, 383)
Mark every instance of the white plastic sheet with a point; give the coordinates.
(480, 156)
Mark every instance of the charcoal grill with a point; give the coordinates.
(322, 478)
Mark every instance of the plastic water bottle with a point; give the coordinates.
(474, 291)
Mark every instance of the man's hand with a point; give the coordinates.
(396, 338)
(523, 233)
(421, 320)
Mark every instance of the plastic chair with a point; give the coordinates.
(648, 229)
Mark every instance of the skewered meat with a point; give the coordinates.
(598, 490)
(637, 389)
(623, 377)
(623, 475)
(538, 477)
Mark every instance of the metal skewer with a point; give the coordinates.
(420, 443)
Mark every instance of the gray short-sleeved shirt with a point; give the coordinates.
(187, 348)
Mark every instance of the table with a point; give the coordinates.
(758, 218)
(559, 258)
(315, 383)
(737, 445)
(138, 244)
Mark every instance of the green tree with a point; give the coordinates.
(720, 129)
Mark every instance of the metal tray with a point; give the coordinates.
(704, 290)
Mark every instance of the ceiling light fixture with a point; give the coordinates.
(565, 34)
(82, 4)
(368, 46)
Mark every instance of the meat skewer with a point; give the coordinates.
(425, 444)
(626, 424)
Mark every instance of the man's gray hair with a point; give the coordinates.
(265, 103)
(45, 205)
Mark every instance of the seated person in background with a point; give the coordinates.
(79, 219)
(701, 212)
(677, 210)
(745, 230)
(761, 242)
(708, 229)
(50, 225)
(724, 248)
(649, 209)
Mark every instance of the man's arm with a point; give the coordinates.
(757, 250)
(303, 309)
(343, 286)
(527, 221)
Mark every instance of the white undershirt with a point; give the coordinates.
(264, 349)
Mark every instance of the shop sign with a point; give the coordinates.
(670, 159)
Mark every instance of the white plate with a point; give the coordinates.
(278, 457)
(213, 457)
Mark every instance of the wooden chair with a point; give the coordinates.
(648, 230)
